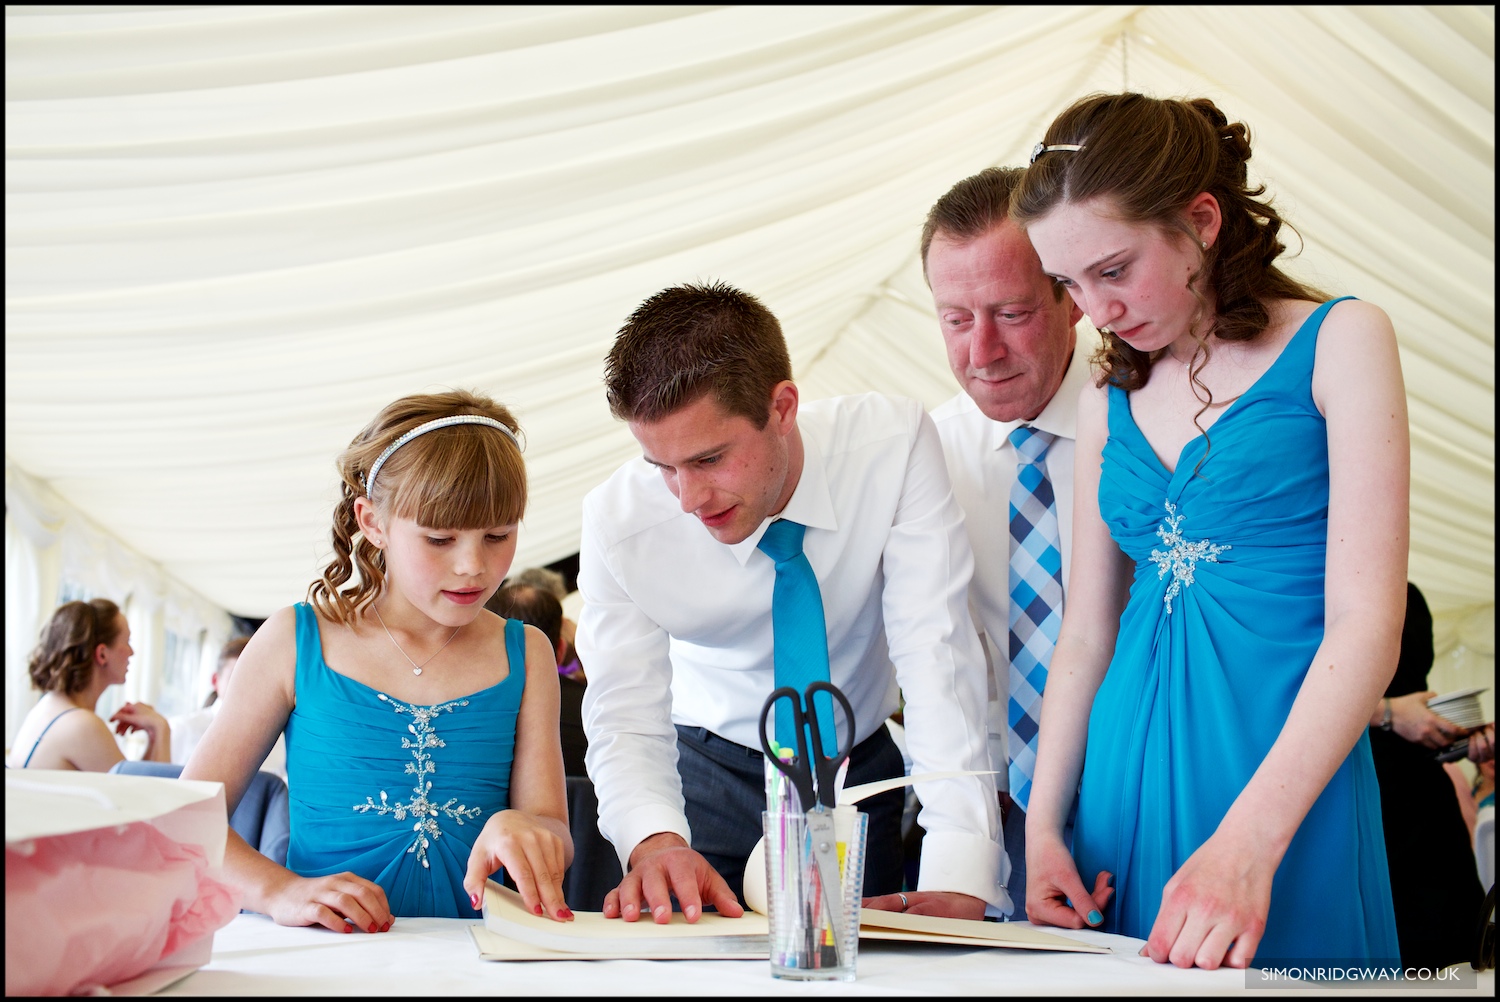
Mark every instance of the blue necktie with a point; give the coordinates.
(799, 634)
(1036, 601)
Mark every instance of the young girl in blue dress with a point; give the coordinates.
(1239, 561)
(421, 730)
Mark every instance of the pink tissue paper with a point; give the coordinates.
(93, 908)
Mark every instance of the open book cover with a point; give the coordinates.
(510, 932)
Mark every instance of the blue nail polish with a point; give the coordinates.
(1095, 918)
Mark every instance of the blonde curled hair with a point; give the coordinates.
(459, 477)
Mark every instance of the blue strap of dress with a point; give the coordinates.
(38, 743)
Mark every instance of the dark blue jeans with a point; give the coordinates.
(724, 785)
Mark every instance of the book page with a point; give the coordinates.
(713, 935)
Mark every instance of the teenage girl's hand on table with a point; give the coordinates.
(1213, 910)
(531, 853)
(1052, 882)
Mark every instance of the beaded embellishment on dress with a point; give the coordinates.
(1180, 558)
(424, 810)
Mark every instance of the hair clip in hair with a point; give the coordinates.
(1041, 148)
(422, 429)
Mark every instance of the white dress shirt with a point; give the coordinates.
(676, 628)
(982, 466)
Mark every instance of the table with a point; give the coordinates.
(426, 956)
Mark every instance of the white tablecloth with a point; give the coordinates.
(254, 956)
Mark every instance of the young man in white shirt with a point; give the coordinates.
(1011, 343)
(676, 627)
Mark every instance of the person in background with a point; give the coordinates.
(1240, 532)
(1480, 797)
(1482, 753)
(189, 728)
(568, 665)
(540, 607)
(1008, 439)
(85, 649)
(1434, 883)
(394, 682)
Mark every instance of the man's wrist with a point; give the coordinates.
(652, 844)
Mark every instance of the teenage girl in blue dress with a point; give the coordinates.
(421, 730)
(1239, 561)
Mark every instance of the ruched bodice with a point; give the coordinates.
(392, 791)
(1224, 617)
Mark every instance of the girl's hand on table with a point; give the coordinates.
(1055, 894)
(1213, 910)
(340, 901)
(531, 853)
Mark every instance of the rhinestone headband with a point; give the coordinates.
(422, 429)
(1041, 148)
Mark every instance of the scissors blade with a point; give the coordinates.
(825, 851)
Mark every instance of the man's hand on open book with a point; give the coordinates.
(661, 866)
(946, 904)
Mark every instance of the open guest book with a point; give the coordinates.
(510, 932)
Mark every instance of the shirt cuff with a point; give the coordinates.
(643, 822)
(966, 864)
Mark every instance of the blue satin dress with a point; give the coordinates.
(395, 792)
(1224, 617)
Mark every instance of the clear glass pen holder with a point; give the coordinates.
(805, 945)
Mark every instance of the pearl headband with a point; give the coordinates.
(422, 429)
(1041, 148)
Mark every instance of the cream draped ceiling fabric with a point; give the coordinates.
(234, 233)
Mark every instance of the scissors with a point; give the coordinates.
(813, 764)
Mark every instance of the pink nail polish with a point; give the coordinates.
(537, 909)
(564, 913)
(372, 926)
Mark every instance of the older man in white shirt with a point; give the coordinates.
(1011, 341)
(677, 621)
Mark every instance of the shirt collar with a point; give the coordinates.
(1060, 416)
(810, 503)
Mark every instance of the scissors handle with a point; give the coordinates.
(799, 772)
(827, 768)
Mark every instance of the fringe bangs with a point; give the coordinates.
(457, 479)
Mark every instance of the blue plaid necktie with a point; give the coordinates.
(799, 634)
(1036, 600)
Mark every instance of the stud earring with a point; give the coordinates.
(1203, 244)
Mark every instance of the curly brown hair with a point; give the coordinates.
(459, 477)
(1151, 157)
(64, 660)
